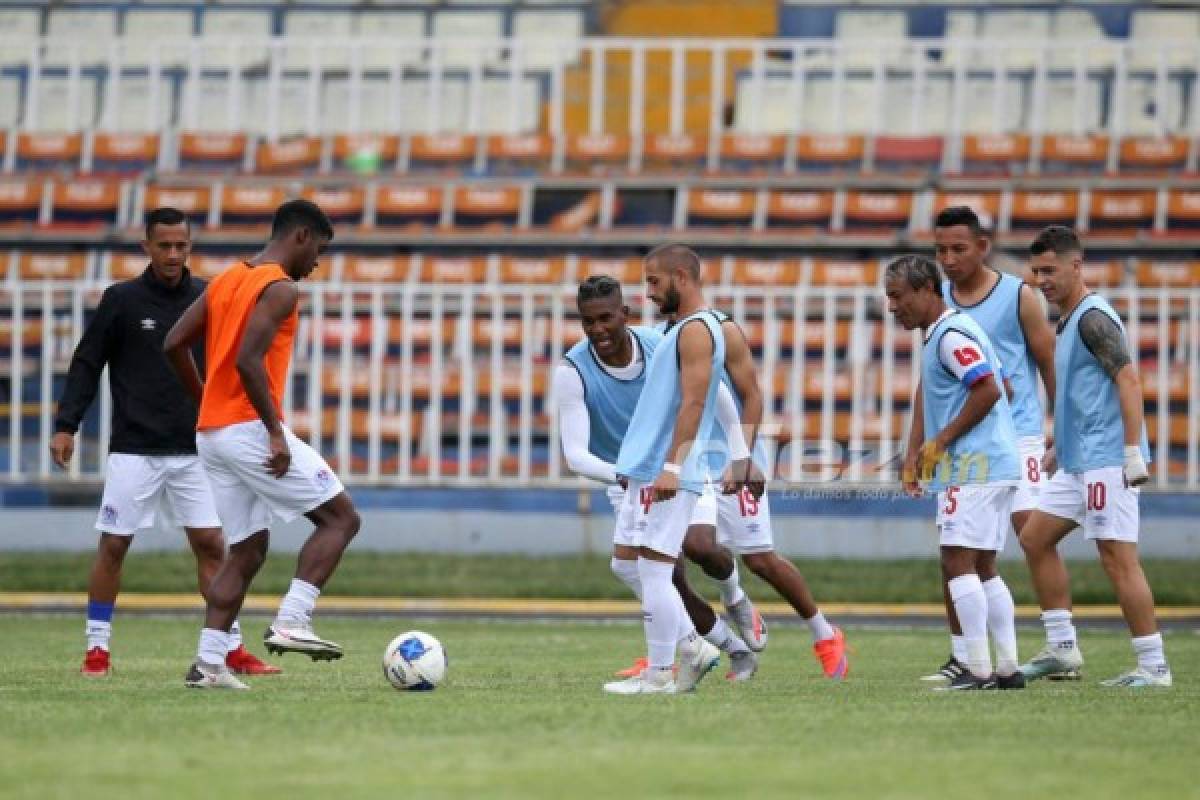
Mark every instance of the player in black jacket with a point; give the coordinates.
(152, 451)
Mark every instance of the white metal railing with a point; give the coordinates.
(420, 384)
(279, 86)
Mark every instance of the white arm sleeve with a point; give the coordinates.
(727, 415)
(963, 357)
(574, 427)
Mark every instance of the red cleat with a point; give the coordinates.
(638, 668)
(96, 663)
(242, 662)
(832, 655)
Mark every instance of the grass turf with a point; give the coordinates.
(367, 574)
(522, 715)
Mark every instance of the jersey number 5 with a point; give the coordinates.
(951, 500)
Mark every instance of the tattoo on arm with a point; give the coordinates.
(1104, 339)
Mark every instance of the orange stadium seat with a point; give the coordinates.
(519, 153)
(992, 153)
(37, 150)
(1074, 153)
(20, 201)
(985, 204)
(908, 153)
(298, 154)
(597, 152)
(800, 209)
(443, 151)
(375, 269)
(124, 152)
(486, 205)
(421, 330)
(1183, 212)
(209, 266)
(825, 152)
(397, 206)
(436, 269)
(760, 272)
(828, 272)
(532, 270)
(1169, 274)
(752, 152)
(52, 266)
(484, 331)
(86, 202)
(1103, 274)
(343, 205)
(124, 266)
(674, 152)
(211, 151)
(1122, 212)
(882, 212)
(814, 386)
(626, 270)
(1176, 388)
(1037, 209)
(1153, 155)
(195, 201)
(720, 207)
(1177, 432)
(249, 205)
(348, 146)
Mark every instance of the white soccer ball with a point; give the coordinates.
(414, 661)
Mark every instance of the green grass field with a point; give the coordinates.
(522, 715)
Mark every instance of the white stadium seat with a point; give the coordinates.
(223, 27)
(1059, 107)
(388, 26)
(17, 26)
(81, 33)
(1017, 27)
(456, 25)
(144, 27)
(1151, 30)
(550, 26)
(134, 103)
(302, 28)
(865, 26)
(55, 109)
(1075, 24)
(10, 101)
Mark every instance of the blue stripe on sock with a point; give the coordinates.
(100, 612)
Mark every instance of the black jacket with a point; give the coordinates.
(152, 413)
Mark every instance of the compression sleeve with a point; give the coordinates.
(574, 427)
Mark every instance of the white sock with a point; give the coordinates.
(98, 634)
(235, 636)
(1059, 630)
(820, 627)
(958, 647)
(661, 610)
(731, 588)
(214, 644)
(969, 602)
(1002, 624)
(626, 570)
(724, 639)
(298, 603)
(1149, 650)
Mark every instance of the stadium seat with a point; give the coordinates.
(830, 272)
(1079, 27)
(1183, 212)
(343, 205)
(126, 265)
(457, 29)
(745, 152)
(10, 107)
(211, 150)
(48, 151)
(1121, 212)
(626, 270)
(195, 201)
(249, 205)
(1035, 210)
(878, 212)
(408, 205)
(673, 152)
(376, 151)
(438, 269)
(385, 30)
(1153, 155)
(305, 30)
(421, 331)
(18, 27)
(124, 152)
(519, 153)
(144, 28)
(20, 201)
(1173, 32)
(477, 206)
(209, 266)
(1032, 26)
(985, 204)
(829, 152)
(79, 35)
(514, 270)
(295, 155)
(1168, 274)
(52, 266)
(597, 153)
(86, 202)
(375, 269)
(1103, 274)
(860, 31)
(1059, 106)
(1074, 153)
(720, 207)
(442, 152)
(766, 273)
(508, 331)
(908, 153)
(553, 30)
(800, 209)
(221, 25)
(999, 153)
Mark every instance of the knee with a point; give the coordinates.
(352, 523)
(112, 550)
(761, 564)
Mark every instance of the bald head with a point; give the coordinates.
(676, 258)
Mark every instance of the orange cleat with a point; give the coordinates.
(96, 663)
(832, 655)
(242, 662)
(638, 668)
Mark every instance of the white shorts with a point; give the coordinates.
(659, 526)
(246, 494)
(625, 532)
(975, 516)
(135, 486)
(1031, 450)
(1097, 499)
(743, 523)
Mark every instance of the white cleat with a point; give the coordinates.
(742, 666)
(650, 681)
(1141, 678)
(749, 623)
(203, 676)
(279, 639)
(1054, 662)
(694, 663)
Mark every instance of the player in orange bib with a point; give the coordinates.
(256, 466)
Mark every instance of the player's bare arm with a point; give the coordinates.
(1039, 338)
(695, 372)
(276, 304)
(1104, 338)
(981, 396)
(185, 333)
(916, 436)
(739, 364)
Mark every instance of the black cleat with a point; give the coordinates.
(1014, 681)
(946, 672)
(967, 681)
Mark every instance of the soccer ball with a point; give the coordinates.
(414, 661)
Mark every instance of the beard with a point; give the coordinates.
(670, 303)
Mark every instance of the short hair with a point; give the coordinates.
(300, 213)
(959, 215)
(598, 286)
(164, 216)
(1057, 239)
(677, 256)
(917, 271)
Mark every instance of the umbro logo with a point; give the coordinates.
(149, 324)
